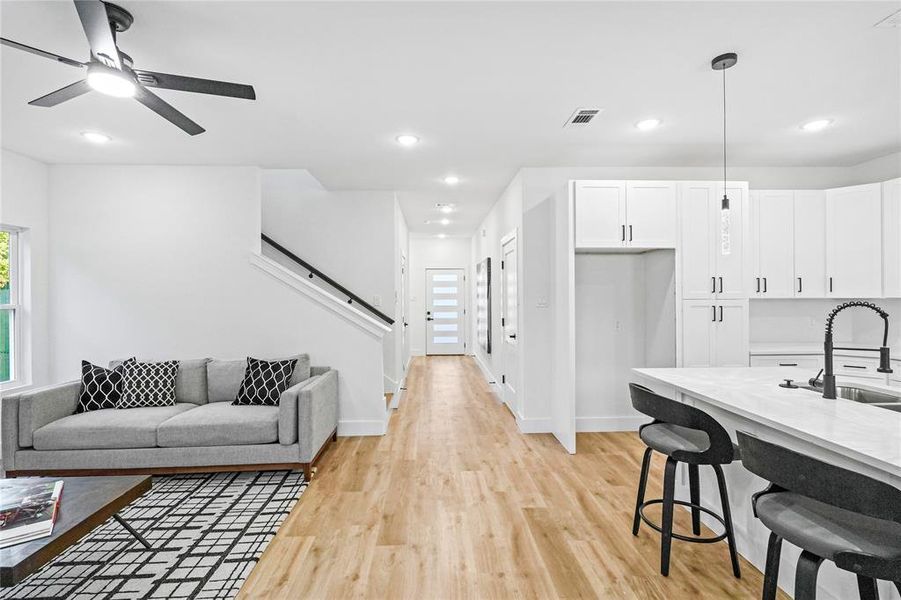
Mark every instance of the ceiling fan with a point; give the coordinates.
(110, 71)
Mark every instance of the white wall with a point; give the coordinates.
(350, 236)
(436, 253)
(879, 169)
(24, 203)
(401, 336)
(154, 261)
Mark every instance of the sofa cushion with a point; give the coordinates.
(148, 384)
(100, 388)
(264, 381)
(224, 377)
(220, 424)
(107, 428)
(190, 381)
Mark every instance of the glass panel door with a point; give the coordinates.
(445, 310)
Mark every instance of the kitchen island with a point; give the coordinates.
(850, 434)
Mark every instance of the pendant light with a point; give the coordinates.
(721, 63)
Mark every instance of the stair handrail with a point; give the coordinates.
(314, 272)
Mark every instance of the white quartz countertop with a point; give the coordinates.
(857, 431)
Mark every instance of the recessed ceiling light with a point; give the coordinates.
(818, 125)
(96, 137)
(445, 221)
(451, 180)
(111, 82)
(407, 140)
(445, 208)
(648, 124)
(442, 235)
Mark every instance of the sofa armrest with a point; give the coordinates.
(9, 430)
(45, 405)
(319, 371)
(317, 415)
(287, 411)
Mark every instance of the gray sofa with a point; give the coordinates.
(203, 431)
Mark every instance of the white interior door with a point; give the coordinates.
(404, 352)
(510, 321)
(445, 309)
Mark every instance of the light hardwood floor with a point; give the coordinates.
(455, 503)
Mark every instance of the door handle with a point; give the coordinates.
(624, 233)
(800, 288)
(630, 233)
(830, 284)
(406, 324)
(713, 285)
(721, 284)
(512, 336)
(714, 314)
(721, 313)
(758, 285)
(427, 319)
(764, 285)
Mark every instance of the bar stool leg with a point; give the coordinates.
(806, 576)
(867, 588)
(669, 493)
(897, 586)
(642, 484)
(694, 489)
(771, 573)
(727, 517)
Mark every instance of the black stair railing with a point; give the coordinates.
(314, 272)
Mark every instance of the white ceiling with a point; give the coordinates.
(487, 86)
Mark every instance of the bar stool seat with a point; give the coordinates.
(667, 438)
(826, 530)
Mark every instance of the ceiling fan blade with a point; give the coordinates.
(72, 90)
(99, 32)
(39, 52)
(195, 84)
(167, 111)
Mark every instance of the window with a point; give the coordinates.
(9, 303)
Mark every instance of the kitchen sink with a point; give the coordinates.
(864, 396)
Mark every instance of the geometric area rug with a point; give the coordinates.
(206, 530)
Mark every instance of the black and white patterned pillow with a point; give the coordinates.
(100, 388)
(264, 381)
(148, 384)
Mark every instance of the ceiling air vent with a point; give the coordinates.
(582, 117)
(893, 20)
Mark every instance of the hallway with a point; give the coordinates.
(455, 503)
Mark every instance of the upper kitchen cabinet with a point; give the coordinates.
(809, 243)
(625, 214)
(713, 264)
(854, 241)
(772, 234)
(600, 214)
(891, 237)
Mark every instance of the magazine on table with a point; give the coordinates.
(28, 509)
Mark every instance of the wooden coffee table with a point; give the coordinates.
(86, 502)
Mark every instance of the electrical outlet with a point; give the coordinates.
(618, 325)
(814, 322)
(376, 301)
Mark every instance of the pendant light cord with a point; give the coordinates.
(724, 132)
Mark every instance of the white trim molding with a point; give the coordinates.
(534, 425)
(363, 427)
(346, 311)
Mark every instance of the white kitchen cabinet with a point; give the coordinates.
(810, 244)
(772, 231)
(891, 238)
(651, 214)
(600, 214)
(854, 241)
(625, 214)
(803, 361)
(710, 268)
(715, 334)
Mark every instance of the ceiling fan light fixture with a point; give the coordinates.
(111, 82)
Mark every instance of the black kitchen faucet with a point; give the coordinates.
(884, 358)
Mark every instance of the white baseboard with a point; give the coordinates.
(489, 376)
(348, 428)
(534, 425)
(596, 424)
(390, 384)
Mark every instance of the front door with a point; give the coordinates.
(445, 298)
(510, 320)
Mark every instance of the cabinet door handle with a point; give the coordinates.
(854, 366)
(630, 233)
(624, 233)
(721, 313)
(721, 285)
(830, 284)
(758, 285)
(764, 285)
(713, 285)
(788, 364)
(714, 314)
(800, 287)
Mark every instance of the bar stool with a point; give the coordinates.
(830, 513)
(684, 434)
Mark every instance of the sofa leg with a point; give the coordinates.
(307, 471)
(335, 435)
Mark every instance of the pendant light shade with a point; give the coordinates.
(721, 63)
